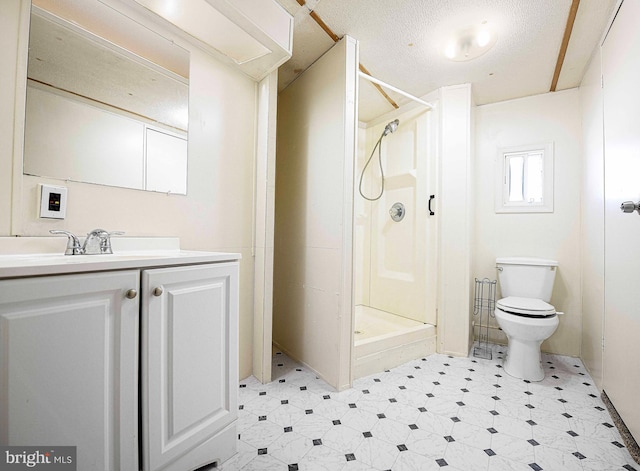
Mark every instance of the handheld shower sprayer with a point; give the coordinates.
(391, 127)
(388, 129)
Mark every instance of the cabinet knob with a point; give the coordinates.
(132, 293)
(158, 291)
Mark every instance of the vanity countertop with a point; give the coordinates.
(38, 264)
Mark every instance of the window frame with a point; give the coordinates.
(502, 205)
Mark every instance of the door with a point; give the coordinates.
(401, 274)
(621, 71)
(189, 363)
(69, 366)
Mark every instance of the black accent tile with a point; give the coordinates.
(592, 395)
(531, 422)
(449, 438)
(422, 409)
(393, 399)
(300, 369)
(464, 390)
(528, 393)
(494, 412)
(376, 380)
(350, 456)
(579, 455)
(367, 434)
(365, 391)
(495, 398)
(288, 429)
(240, 407)
(607, 424)
(243, 386)
(410, 376)
(455, 419)
(262, 417)
(284, 401)
(402, 447)
(446, 364)
(532, 442)
(436, 383)
(530, 406)
(628, 467)
(492, 430)
(326, 396)
(441, 373)
(471, 369)
(490, 452)
(460, 403)
(317, 441)
(498, 376)
(337, 422)
(599, 408)
(402, 387)
(280, 364)
(352, 406)
(303, 388)
(559, 388)
(526, 381)
(468, 379)
(417, 367)
(441, 462)
(413, 426)
(618, 444)
(567, 415)
(572, 433)
(535, 467)
(497, 385)
(430, 395)
(562, 400)
(555, 377)
(587, 384)
(382, 416)
(293, 467)
(498, 366)
(308, 411)
(281, 381)
(262, 451)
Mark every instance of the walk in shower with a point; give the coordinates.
(394, 231)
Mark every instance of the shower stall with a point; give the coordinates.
(394, 241)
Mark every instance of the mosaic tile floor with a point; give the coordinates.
(436, 413)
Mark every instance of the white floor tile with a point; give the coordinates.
(436, 413)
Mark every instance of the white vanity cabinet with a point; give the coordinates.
(137, 368)
(69, 366)
(189, 359)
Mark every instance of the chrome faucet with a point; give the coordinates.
(98, 241)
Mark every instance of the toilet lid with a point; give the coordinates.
(526, 306)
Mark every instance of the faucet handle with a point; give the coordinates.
(73, 243)
(105, 241)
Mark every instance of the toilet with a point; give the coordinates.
(524, 313)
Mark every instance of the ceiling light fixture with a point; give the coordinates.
(469, 43)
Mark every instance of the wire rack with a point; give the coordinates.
(483, 308)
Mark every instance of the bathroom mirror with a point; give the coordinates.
(107, 99)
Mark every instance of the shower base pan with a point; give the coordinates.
(383, 340)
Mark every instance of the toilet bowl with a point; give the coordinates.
(524, 314)
(527, 322)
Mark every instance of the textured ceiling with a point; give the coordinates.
(401, 43)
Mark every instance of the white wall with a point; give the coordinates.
(216, 215)
(543, 118)
(592, 219)
(313, 303)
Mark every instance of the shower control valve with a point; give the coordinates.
(397, 212)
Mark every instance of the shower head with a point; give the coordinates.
(391, 127)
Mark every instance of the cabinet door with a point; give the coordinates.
(68, 366)
(189, 360)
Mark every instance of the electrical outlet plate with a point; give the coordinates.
(53, 201)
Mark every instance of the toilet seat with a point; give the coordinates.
(526, 307)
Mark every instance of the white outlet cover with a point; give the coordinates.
(53, 201)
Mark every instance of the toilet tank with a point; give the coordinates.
(526, 277)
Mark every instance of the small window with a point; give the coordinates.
(524, 179)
